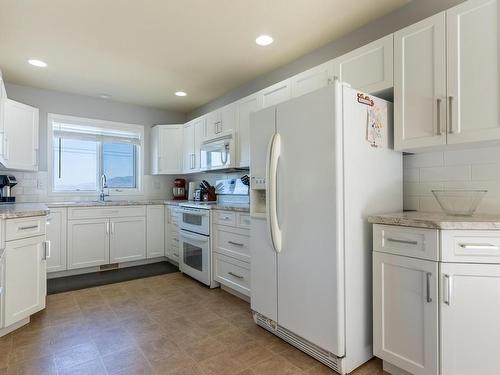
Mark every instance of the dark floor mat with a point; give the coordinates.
(69, 283)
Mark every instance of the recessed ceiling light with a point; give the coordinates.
(105, 96)
(264, 40)
(38, 63)
(180, 93)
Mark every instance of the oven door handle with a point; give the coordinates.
(194, 213)
(195, 237)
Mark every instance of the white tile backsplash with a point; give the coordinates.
(459, 169)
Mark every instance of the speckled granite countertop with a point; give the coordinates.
(436, 220)
(242, 208)
(15, 210)
(111, 203)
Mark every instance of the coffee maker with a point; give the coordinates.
(7, 182)
(179, 189)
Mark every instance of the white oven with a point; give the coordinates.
(195, 220)
(194, 257)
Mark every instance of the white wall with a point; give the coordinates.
(475, 168)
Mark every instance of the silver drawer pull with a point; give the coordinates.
(235, 243)
(407, 242)
(479, 246)
(235, 275)
(28, 227)
(225, 218)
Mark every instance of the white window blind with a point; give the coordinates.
(85, 132)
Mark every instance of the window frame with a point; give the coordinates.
(139, 157)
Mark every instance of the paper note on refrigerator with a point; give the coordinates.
(376, 125)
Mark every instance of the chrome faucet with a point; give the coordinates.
(104, 185)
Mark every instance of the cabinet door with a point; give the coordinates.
(167, 238)
(170, 146)
(276, 93)
(199, 135)
(311, 79)
(189, 163)
(155, 226)
(20, 136)
(228, 118)
(470, 328)
(56, 234)
(246, 106)
(88, 243)
(25, 278)
(473, 71)
(368, 68)
(405, 312)
(213, 123)
(128, 239)
(420, 84)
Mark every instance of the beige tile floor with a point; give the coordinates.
(166, 324)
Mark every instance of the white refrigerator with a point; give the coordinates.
(320, 164)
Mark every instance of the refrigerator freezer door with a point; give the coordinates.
(310, 278)
(263, 274)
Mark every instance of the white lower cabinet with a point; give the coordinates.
(470, 328)
(56, 234)
(88, 243)
(127, 239)
(232, 250)
(437, 316)
(405, 312)
(155, 226)
(25, 278)
(172, 239)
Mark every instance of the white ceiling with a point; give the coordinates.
(143, 51)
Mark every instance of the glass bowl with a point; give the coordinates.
(459, 202)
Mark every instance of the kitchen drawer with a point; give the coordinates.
(243, 220)
(407, 241)
(16, 229)
(233, 273)
(110, 211)
(233, 242)
(470, 246)
(225, 217)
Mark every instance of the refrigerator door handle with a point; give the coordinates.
(273, 154)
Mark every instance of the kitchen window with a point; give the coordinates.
(82, 150)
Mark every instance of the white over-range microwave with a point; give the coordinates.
(219, 152)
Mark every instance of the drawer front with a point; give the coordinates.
(225, 217)
(470, 246)
(233, 242)
(243, 220)
(111, 211)
(16, 229)
(232, 273)
(413, 242)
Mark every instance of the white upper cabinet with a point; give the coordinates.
(199, 135)
(405, 312)
(473, 71)
(20, 136)
(166, 149)
(246, 106)
(469, 322)
(188, 148)
(276, 93)
(420, 84)
(312, 79)
(368, 68)
(220, 120)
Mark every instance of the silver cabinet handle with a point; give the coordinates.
(112, 228)
(438, 110)
(407, 242)
(107, 228)
(479, 246)
(46, 250)
(428, 287)
(28, 227)
(450, 110)
(235, 243)
(235, 275)
(447, 289)
(225, 218)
